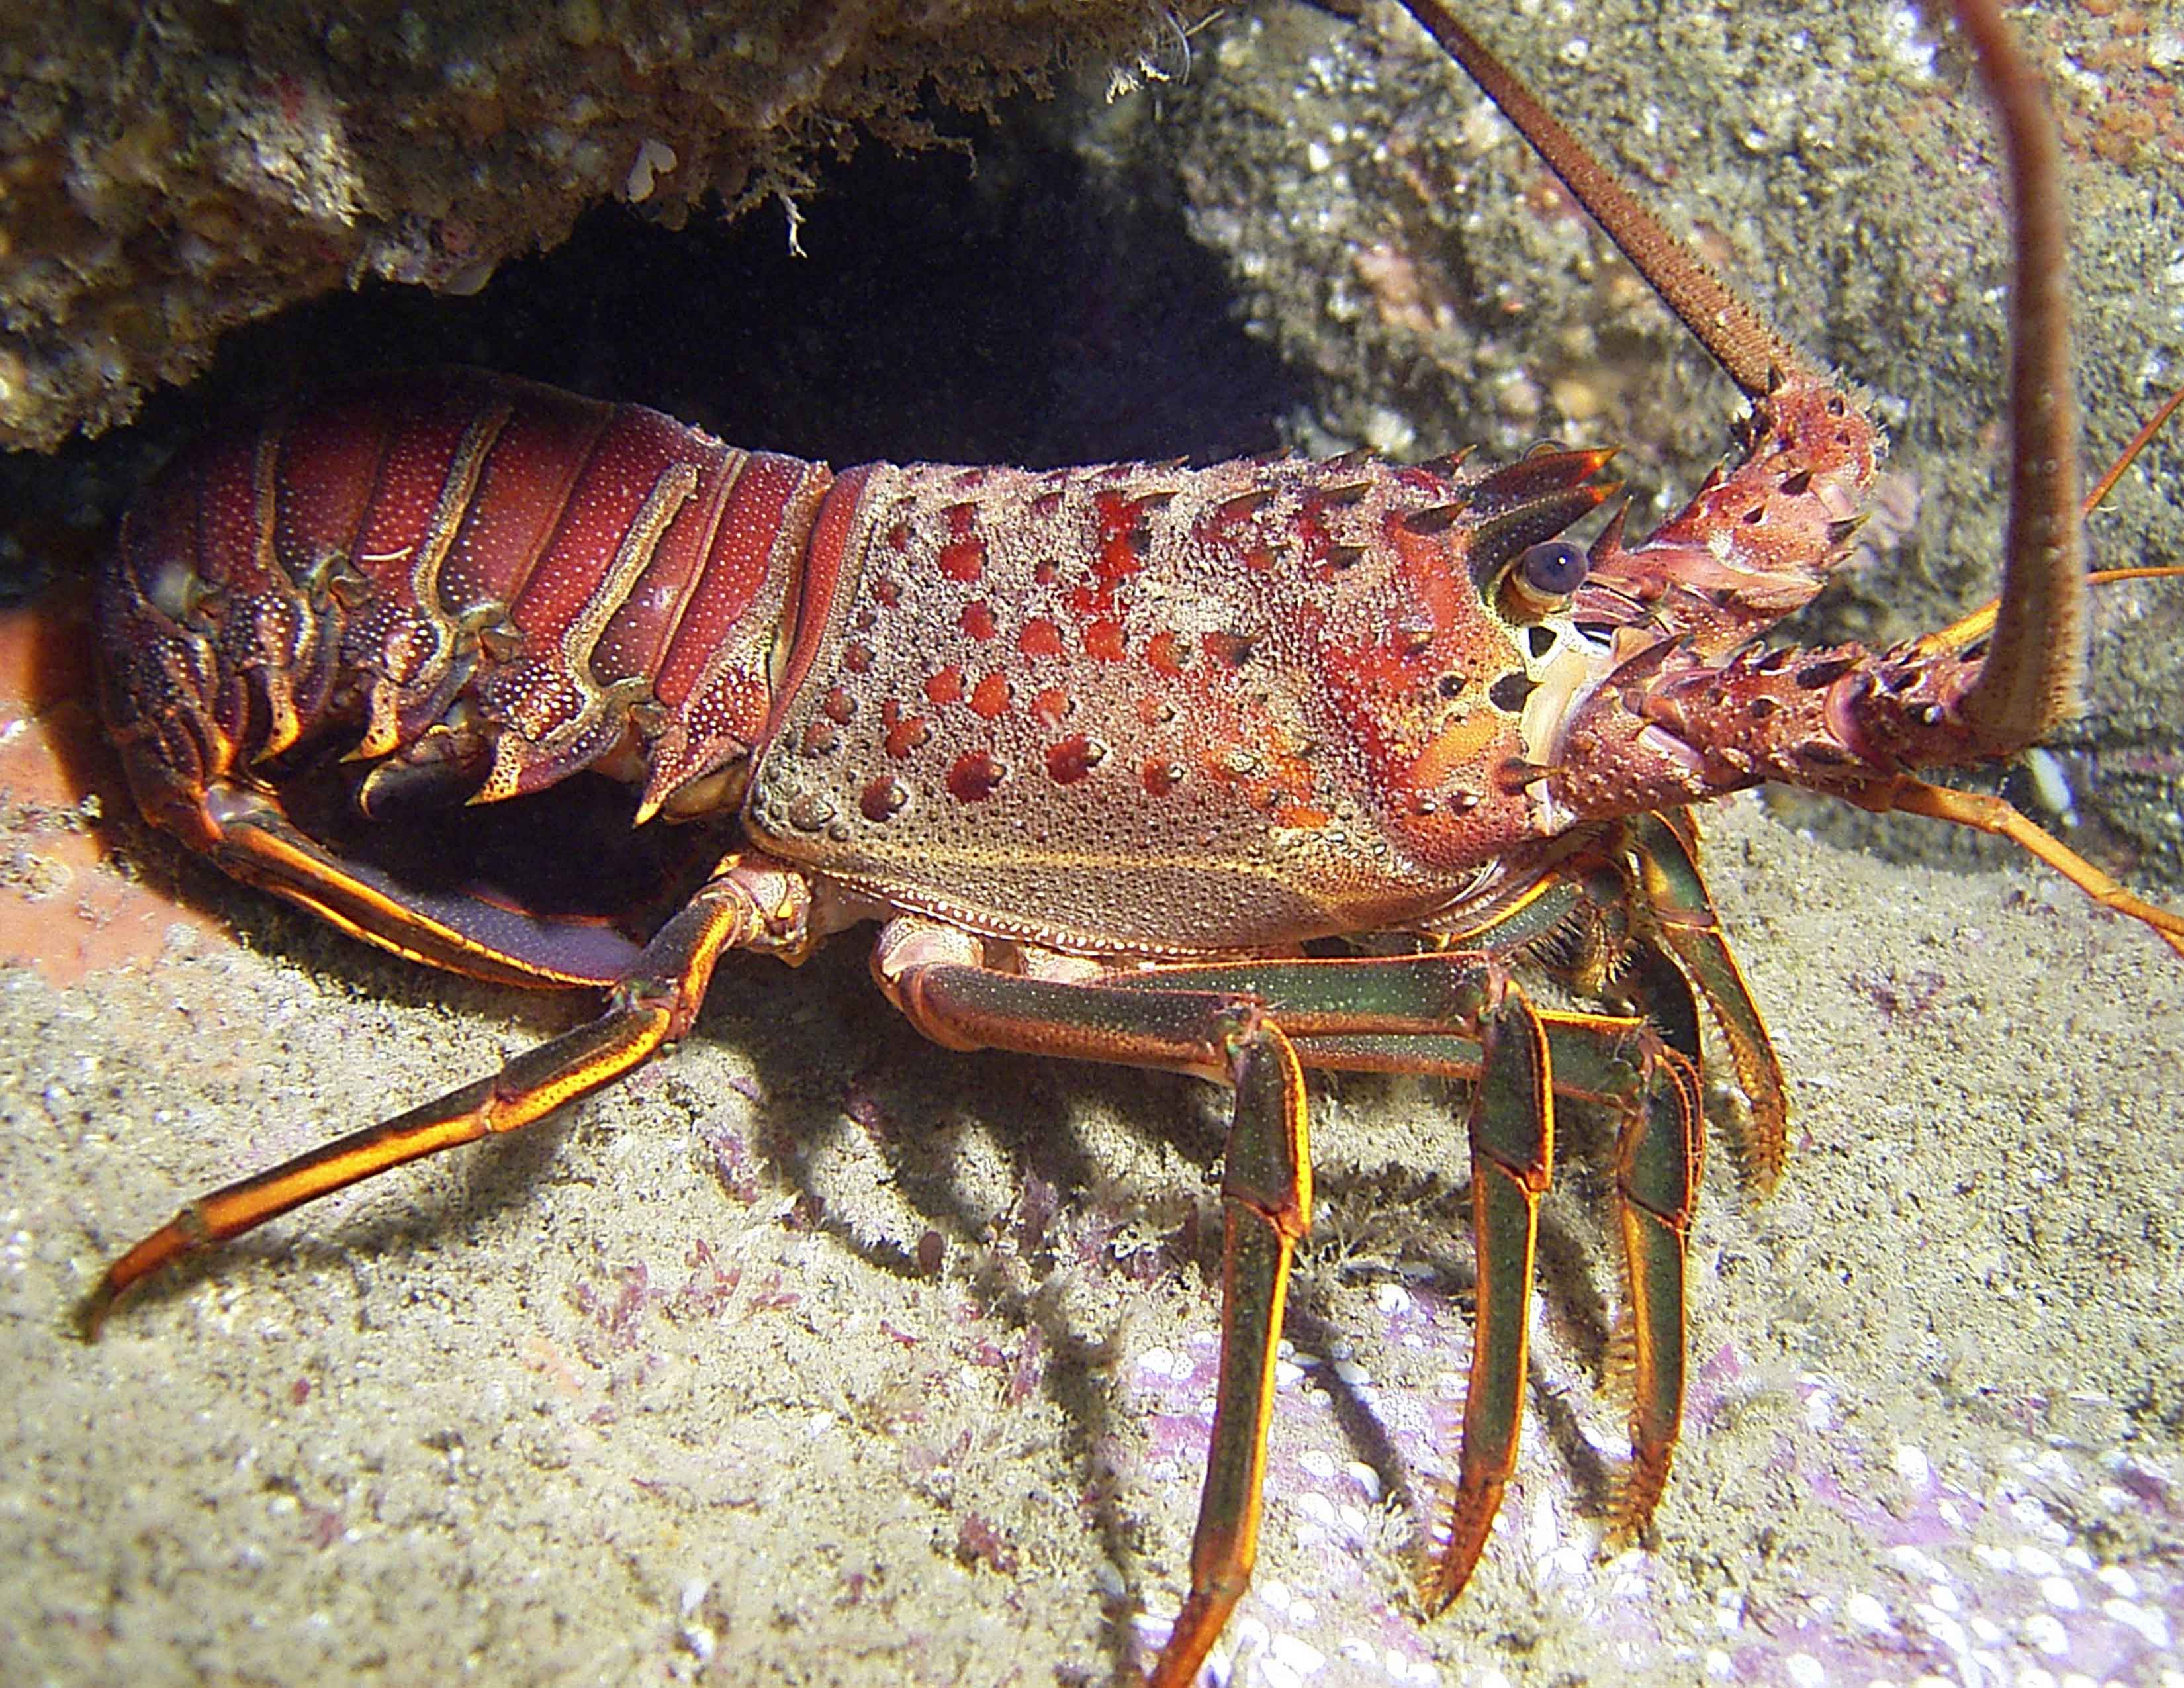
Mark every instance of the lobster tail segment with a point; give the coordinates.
(474, 585)
(209, 651)
(439, 588)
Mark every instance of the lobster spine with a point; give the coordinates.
(495, 582)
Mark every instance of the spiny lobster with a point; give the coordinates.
(1116, 755)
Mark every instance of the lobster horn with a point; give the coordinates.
(1694, 706)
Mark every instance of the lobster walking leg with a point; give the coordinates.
(1992, 815)
(1513, 1151)
(747, 905)
(1657, 1164)
(1266, 1192)
(1254, 1023)
(1642, 1072)
(1265, 1200)
(253, 839)
(1666, 850)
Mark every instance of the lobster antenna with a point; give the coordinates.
(1756, 359)
(2036, 659)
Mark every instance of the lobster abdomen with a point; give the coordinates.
(492, 583)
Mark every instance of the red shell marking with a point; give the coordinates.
(1169, 711)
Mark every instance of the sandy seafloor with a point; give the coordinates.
(816, 1354)
(680, 1388)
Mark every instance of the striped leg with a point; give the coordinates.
(1255, 1025)
(657, 997)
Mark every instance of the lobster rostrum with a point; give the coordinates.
(1104, 750)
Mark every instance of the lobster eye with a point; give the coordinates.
(1555, 568)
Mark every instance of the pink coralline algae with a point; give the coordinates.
(1963, 1581)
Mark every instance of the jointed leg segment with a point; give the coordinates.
(1258, 1024)
(1513, 1151)
(746, 905)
